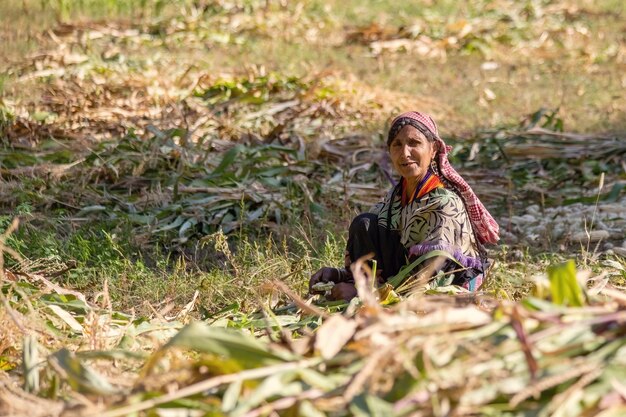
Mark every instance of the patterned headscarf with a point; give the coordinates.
(484, 225)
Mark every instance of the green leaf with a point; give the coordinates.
(564, 286)
(280, 385)
(307, 409)
(115, 354)
(278, 321)
(177, 222)
(226, 343)
(370, 406)
(187, 226)
(6, 364)
(67, 301)
(17, 159)
(399, 278)
(228, 159)
(80, 377)
(67, 318)
(141, 218)
(404, 383)
(231, 396)
(317, 379)
(234, 307)
(181, 407)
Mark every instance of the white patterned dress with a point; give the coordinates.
(436, 221)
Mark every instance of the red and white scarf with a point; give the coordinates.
(484, 225)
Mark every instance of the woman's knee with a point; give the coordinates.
(363, 222)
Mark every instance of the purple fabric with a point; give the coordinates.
(467, 261)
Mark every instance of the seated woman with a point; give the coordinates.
(431, 208)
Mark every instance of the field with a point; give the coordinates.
(171, 173)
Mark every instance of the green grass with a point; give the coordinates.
(457, 84)
(223, 269)
(24, 22)
(581, 78)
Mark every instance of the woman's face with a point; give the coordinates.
(411, 153)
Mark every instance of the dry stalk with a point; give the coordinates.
(364, 282)
(561, 398)
(3, 248)
(428, 363)
(284, 403)
(619, 316)
(267, 326)
(207, 385)
(518, 326)
(51, 286)
(551, 381)
(361, 378)
(16, 402)
(76, 395)
(299, 301)
(12, 313)
(616, 295)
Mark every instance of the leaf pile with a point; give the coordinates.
(168, 183)
(163, 185)
(464, 355)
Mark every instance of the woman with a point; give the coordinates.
(431, 208)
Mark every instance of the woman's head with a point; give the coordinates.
(411, 153)
(421, 121)
(412, 143)
(404, 127)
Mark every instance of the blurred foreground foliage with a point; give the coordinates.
(559, 352)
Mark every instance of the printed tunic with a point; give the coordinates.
(436, 221)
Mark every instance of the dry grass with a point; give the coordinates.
(482, 69)
(556, 352)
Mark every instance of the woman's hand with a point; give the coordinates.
(343, 291)
(326, 274)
